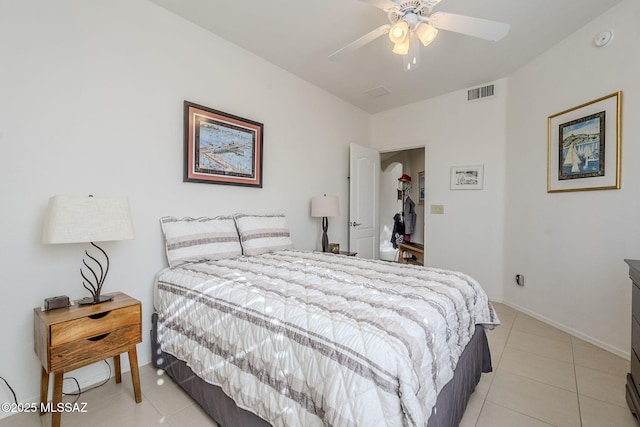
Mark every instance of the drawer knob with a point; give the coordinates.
(99, 337)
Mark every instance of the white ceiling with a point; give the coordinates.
(299, 35)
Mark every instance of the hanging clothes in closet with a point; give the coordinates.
(397, 236)
(409, 214)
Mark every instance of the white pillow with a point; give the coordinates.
(200, 239)
(263, 233)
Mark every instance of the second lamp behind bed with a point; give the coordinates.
(324, 207)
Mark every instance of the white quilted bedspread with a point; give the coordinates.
(311, 339)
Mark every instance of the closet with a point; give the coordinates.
(402, 194)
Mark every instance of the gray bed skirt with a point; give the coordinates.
(448, 411)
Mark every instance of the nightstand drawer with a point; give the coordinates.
(95, 348)
(94, 325)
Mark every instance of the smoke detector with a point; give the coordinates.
(603, 38)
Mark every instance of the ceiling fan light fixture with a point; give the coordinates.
(401, 48)
(411, 61)
(426, 33)
(398, 33)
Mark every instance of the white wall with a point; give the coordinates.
(570, 246)
(91, 102)
(469, 236)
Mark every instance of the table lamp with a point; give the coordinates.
(88, 219)
(324, 207)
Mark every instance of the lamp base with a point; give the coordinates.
(90, 300)
(325, 238)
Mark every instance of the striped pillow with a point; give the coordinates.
(263, 233)
(200, 239)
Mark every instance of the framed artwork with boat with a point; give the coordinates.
(584, 146)
(220, 148)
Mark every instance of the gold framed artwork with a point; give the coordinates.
(584, 146)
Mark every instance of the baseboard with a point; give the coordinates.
(626, 354)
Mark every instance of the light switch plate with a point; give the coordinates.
(437, 209)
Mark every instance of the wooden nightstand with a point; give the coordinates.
(69, 338)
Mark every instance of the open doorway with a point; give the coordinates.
(395, 164)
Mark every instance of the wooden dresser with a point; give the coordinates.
(69, 338)
(633, 378)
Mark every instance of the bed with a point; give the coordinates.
(260, 334)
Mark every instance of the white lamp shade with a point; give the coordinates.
(398, 33)
(401, 48)
(76, 219)
(426, 33)
(324, 206)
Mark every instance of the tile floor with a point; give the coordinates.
(542, 377)
(545, 377)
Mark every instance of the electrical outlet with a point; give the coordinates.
(520, 279)
(437, 209)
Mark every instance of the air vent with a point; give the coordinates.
(377, 92)
(478, 93)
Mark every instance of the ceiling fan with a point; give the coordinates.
(411, 23)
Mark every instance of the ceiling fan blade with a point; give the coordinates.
(367, 38)
(380, 4)
(476, 27)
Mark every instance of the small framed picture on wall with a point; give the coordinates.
(467, 177)
(421, 188)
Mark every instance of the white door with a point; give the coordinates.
(364, 183)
